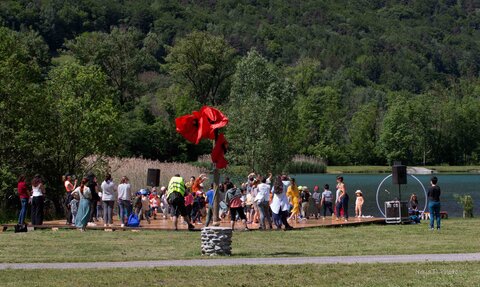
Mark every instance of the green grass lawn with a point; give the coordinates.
(388, 169)
(458, 235)
(405, 274)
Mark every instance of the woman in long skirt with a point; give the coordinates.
(83, 212)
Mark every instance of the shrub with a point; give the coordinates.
(466, 201)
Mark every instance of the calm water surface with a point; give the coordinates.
(450, 184)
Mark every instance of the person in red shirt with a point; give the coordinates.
(24, 195)
(233, 198)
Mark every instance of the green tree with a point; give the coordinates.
(202, 63)
(322, 109)
(121, 56)
(363, 135)
(84, 121)
(262, 116)
(23, 108)
(406, 132)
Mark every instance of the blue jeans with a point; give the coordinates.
(434, 207)
(108, 211)
(264, 210)
(125, 210)
(23, 211)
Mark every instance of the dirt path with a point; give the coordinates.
(252, 261)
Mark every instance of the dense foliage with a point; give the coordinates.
(351, 82)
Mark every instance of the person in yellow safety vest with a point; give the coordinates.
(175, 197)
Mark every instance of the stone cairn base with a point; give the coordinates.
(216, 241)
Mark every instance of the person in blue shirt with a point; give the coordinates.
(210, 194)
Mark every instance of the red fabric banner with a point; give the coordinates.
(218, 152)
(201, 124)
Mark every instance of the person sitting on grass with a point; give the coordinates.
(233, 198)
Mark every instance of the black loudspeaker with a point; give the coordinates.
(153, 177)
(399, 174)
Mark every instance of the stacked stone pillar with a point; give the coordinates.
(216, 241)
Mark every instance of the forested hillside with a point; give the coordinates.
(351, 82)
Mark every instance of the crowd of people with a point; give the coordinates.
(262, 200)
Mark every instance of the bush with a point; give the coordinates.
(466, 201)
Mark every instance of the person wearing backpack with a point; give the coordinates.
(233, 198)
(175, 197)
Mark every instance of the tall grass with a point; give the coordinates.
(136, 169)
(306, 164)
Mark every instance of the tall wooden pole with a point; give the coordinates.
(216, 184)
(216, 197)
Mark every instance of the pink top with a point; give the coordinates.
(188, 199)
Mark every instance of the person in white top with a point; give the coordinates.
(38, 199)
(280, 203)
(108, 199)
(124, 196)
(262, 199)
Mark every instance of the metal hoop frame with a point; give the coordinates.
(421, 184)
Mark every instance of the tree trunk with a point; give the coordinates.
(216, 197)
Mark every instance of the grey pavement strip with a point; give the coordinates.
(414, 258)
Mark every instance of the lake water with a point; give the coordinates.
(450, 184)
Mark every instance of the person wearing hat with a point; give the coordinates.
(358, 203)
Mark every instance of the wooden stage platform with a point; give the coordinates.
(167, 224)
